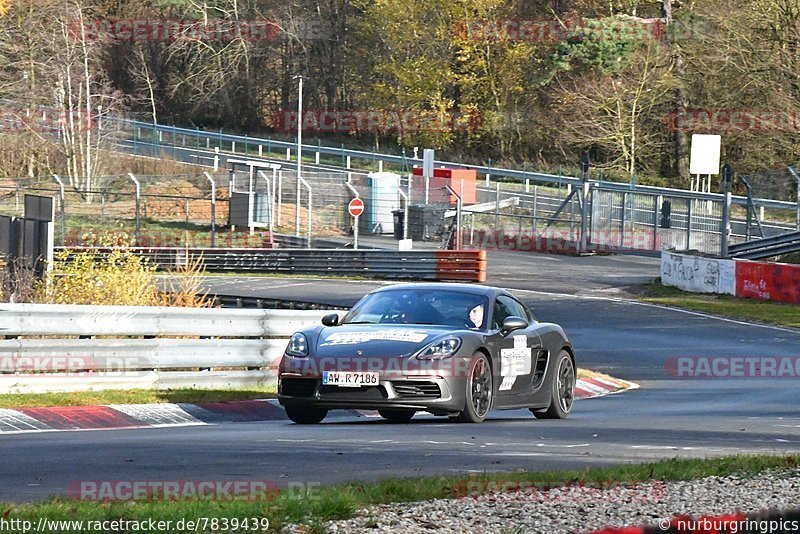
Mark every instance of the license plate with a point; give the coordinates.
(349, 380)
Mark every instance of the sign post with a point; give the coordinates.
(356, 208)
(704, 159)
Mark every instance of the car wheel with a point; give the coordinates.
(306, 415)
(397, 416)
(562, 388)
(479, 392)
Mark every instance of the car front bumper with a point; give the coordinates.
(429, 393)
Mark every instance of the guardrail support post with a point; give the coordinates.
(138, 199)
(216, 158)
(213, 208)
(61, 196)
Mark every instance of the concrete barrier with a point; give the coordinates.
(742, 278)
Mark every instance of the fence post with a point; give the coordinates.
(300, 180)
(457, 244)
(689, 224)
(213, 208)
(656, 211)
(584, 200)
(138, 195)
(61, 196)
(725, 223)
(622, 220)
(797, 179)
(496, 205)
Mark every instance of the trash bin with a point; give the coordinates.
(399, 218)
(666, 214)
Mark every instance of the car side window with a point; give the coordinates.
(507, 307)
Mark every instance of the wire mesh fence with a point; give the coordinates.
(196, 210)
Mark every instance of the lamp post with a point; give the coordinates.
(299, 151)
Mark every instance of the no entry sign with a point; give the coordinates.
(356, 207)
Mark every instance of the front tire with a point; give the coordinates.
(306, 415)
(562, 389)
(398, 415)
(478, 394)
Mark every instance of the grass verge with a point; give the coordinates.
(314, 505)
(133, 396)
(736, 308)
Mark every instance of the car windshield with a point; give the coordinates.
(421, 306)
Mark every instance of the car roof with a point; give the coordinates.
(471, 289)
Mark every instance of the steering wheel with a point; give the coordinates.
(392, 318)
(457, 320)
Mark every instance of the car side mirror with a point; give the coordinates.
(511, 324)
(332, 319)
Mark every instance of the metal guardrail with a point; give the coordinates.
(465, 265)
(57, 348)
(522, 176)
(766, 247)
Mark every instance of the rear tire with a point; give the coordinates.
(397, 415)
(306, 415)
(562, 390)
(479, 393)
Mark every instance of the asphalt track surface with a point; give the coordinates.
(665, 418)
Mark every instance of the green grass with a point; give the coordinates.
(314, 505)
(724, 305)
(133, 396)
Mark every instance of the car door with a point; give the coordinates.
(517, 353)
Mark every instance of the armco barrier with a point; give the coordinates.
(747, 279)
(55, 348)
(768, 281)
(462, 265)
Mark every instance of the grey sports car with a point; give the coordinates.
(448, 349)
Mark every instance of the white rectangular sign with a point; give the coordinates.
(427, 162)
(704, 158)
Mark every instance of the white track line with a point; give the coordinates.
(659, 306)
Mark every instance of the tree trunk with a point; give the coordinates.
(680, 139)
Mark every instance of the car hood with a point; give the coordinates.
(380, 340)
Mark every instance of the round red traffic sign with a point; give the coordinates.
(356, 207)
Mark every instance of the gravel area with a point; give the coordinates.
(578, 508)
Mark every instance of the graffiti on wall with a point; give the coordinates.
(697, 274)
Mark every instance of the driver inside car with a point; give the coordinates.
(476, 315)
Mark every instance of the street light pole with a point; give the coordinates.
(299, 151)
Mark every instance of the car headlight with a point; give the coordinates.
(444, 348)
(298, 345)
